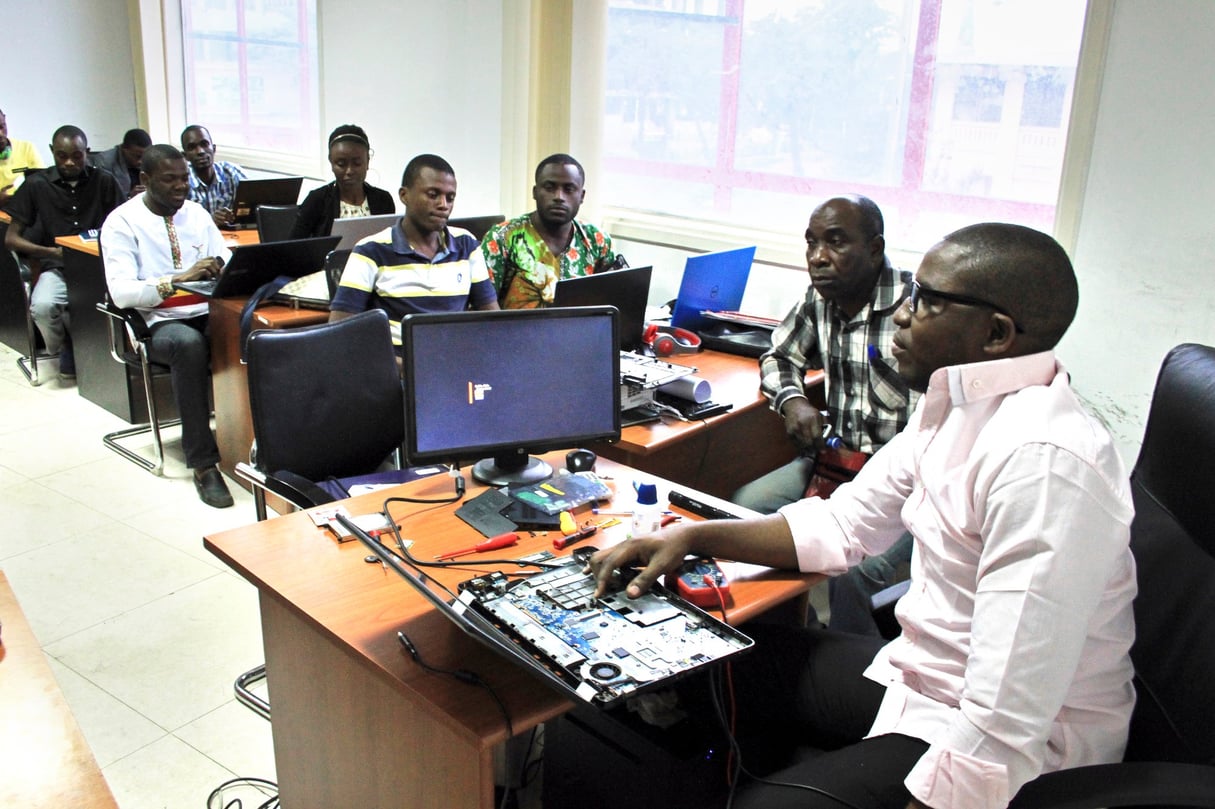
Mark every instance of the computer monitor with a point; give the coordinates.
(509, 384)
(627, 289)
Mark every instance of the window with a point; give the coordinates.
(251, 72)
(945, 112)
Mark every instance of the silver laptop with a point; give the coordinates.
(594, 650)
(352, 231)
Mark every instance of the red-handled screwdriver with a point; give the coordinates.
(491, 544)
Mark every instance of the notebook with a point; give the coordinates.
(596, 651)
(711, 282)
(355, 229)
(269, 191)
(252, 265)
(628, 290)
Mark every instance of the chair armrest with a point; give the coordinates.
(1132, 783)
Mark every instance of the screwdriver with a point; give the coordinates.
(491, 544)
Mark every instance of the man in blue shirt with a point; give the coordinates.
(212, 182)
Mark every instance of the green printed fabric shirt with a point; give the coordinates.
(525, 272)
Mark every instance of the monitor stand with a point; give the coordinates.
(513, 469)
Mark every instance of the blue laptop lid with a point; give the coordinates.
(713, 282)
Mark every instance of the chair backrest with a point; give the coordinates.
(1173, 539)
(326, 400)
(335, 262)
(274, 222)
(478, 226)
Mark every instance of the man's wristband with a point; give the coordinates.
(164, 287)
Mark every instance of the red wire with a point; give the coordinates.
(721, 599)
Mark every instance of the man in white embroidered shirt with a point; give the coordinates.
(1013, 659)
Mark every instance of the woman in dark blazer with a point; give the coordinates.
(348, 195)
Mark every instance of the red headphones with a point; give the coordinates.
(667, 340)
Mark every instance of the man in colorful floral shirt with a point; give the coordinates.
(527, 256)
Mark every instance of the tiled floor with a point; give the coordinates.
(143, 628)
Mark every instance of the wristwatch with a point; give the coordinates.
(164, 287)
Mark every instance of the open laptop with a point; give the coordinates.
(354, 230)
(595, 651)
(711, 282)
(268, 191)
(627, 289)
(252, 265)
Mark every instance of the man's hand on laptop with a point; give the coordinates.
(659, 553)
(202, 270)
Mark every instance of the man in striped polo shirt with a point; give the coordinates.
(419, 264)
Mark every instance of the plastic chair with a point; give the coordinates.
(129, 336)
(274, 222)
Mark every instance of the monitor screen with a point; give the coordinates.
(508, 384)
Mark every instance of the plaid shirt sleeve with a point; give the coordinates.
(794, 351)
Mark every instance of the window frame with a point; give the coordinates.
(787, 249)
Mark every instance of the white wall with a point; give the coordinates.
(419, 76)
(1146, 247)
(67, 62)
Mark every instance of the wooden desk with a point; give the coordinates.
(99, 378)
(719, 454)
(355, 721)
(230, 377)
(44, 760)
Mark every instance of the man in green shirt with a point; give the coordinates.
(527, 256)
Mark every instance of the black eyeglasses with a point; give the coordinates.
(919, 291)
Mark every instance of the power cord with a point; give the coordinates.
(736, 751)
(259, 784)
(462, 675)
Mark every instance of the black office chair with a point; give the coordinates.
(477, 225)
(335, 263)
(274, 222)
(128, 341)
(1170, 758)
(327, 403)
(16, 284)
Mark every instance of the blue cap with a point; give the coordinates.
(647, 494)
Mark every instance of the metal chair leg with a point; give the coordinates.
(246, 697)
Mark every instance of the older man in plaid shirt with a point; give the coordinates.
(843, 326)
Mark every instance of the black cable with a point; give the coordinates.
(462, 675)
(260, 784)
(719, 708)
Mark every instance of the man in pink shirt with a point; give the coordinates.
(1013, 659)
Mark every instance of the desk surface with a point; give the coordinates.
(234, 238)
(327, 614)
(44, 760)
(733, 379)
(718, 454)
